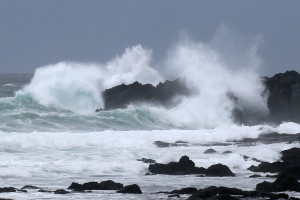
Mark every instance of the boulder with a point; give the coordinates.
(255, 176)
(183, 167)
(268, 167)
(61, 191)
(213, 192)
(30, 187)
(282, 183)
(131, 189)
(187, 190)
(218, 170)
(104, 185)
(186, 166)
(7, 189)
(208, 151)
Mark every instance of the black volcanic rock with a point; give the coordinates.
(218, 170)
(291, 156)
(282, 183)
(161, 144)
(147, 160)
(30, 187)
(61, 191)
(210, 151)
(212, 192)
(104, 185)
(289, 172)
(187, 190)
(131, 189)
(164, 93)
(186, 166)
(289, 165)
(8, 189)
(284, 96)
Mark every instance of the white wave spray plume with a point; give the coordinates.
(77, 86)
(218, 79)
(219, 71)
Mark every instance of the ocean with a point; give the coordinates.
(50, 136)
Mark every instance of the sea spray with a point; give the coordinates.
(78, 86)
(222, 85)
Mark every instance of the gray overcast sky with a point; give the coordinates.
(37, 32)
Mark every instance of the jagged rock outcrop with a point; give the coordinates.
(186, 166)
(284, 96)
(164, 94)
(283, 101)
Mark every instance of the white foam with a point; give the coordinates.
(78, 86)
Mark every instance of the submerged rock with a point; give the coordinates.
(147, 160)
(255, 176)
(30, 187)
(208, 151)
(61, 191)
(162, 144)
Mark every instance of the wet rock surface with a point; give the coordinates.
(186, 166)
(104, 185)
(131, 189)
(164, 94)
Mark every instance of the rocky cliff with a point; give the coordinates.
(164, 94)
(284, 96)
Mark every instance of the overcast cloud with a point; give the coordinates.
(34, 33)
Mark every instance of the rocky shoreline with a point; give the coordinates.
(287, 179)
(282, 91)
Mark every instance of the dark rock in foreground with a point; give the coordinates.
(8, 189)
(187, 190)
(131, 189)
(104, 185)
(225, 193)
(290, 158)
(164, 93)
(186, 166)
(282, 183)
(289, 172)
(213, 192)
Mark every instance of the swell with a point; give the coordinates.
(23, 113)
